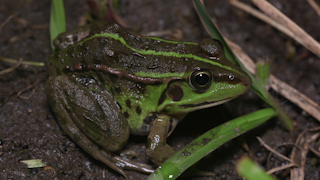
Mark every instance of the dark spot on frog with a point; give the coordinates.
(150, 118)
(138, 109)
(128, 103)
(126, 114)
(175, 93)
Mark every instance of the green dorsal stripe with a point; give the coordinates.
(159, 53)
(172, 42)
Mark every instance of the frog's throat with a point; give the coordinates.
(194, 107)
(206, 104)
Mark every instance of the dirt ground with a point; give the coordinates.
(28, 129)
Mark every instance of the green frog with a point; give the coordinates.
(107, 83)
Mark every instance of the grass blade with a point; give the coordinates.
(57, 20)
(208, 142)
(250, 171)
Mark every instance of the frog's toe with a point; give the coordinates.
(130, 165)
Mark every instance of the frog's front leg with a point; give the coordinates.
(89, 115)
(157, 148)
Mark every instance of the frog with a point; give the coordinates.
(107, 83)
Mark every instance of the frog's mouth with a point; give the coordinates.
(205, 104)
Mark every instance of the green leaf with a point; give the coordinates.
(34, 163)
(263, 73)
(250, 171)
(57, 20)
(30, 63)
(208, 142)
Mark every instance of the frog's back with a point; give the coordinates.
(112, 49)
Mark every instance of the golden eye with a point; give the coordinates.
(201, 79)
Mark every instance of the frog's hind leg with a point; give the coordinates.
(77, 110)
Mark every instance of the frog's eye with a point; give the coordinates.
(201, 79)
(219, 42)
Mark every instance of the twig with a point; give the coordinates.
(31, 63)
(284, 144)
(27, 88)
(6, 21)
(316, 152)
(12, 68)
(296, 97)
(315, 6)
(281, 168)
(291, 164)
(274, 151)
(305, 39)
(279, 86)
(262, 17)
(303, 140)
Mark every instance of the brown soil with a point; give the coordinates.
(28, 129)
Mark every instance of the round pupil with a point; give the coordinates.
(202, 79)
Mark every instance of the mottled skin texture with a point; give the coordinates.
(110, 83)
